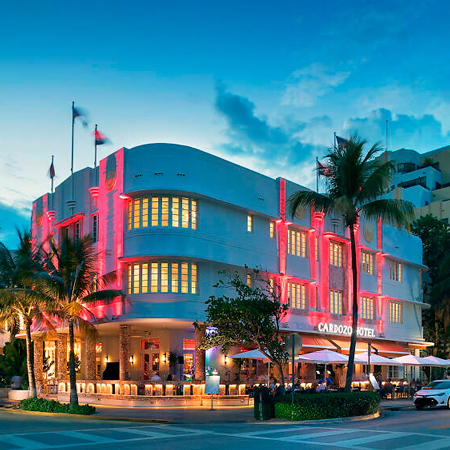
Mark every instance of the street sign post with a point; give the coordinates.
(294, 345)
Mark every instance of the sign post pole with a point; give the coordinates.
(293, 377)
(294, 345)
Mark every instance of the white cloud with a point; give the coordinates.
(309, 84)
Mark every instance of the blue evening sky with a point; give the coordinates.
(264, 84)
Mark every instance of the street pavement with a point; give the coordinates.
(405, 429)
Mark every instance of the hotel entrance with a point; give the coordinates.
(151, 349)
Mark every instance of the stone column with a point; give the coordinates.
(90, 359)
(199, 356)
(61, 357)
(124, 352)
(38, 359)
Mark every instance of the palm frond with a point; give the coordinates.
(306, 199)
(376, 183)
(398, 212)
(106, 294)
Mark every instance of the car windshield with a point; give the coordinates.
(438, 385)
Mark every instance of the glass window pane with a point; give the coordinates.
(144, 280)
(175, 212)
(154, 277)
(136, 279)
(174, 277)
(185, 212)
(145, 212)
(194, 214)
(137, 212)
(184, 278)
(165, 211)
(155, 211)
(193, 278)
(164, 277)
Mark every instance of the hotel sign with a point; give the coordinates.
(345, 330)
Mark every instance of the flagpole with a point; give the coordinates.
(95, 145)
(51, 176)
(71, 165)
(317, 174)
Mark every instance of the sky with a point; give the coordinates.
(262, 83)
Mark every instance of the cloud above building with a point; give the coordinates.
(10, 218)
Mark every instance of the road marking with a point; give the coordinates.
(87, 437)
(273, 430)
(308, 437)
(22, 442)
(432, 445)
(382, 436)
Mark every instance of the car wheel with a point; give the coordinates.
(448, 402)
(419, 407)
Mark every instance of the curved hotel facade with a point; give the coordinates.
(167, 218)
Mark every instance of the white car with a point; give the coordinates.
(437, 393)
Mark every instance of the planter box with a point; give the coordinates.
(17, 394)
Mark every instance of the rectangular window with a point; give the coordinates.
(154, 278)
(194, 214)
(175, 212)
(165, 211)
(174, 277)
(395, 271)
(367, 308)
(336, 306)
(297, 243)
(271, 284)
(130, 214)
(77, 230)
(136, 270)
(129, 279)
(249, 223)
(272, 229)
(184, 278)
(164, 277)
(317, 248)
(145, 212)
(335, 254)
(395, 312)
(193, 278)
(144, 279)
(249, 280)
(367, 262)
(185, 212)
(155, 211)
(297, 295)
(137, 212)
(94, 228)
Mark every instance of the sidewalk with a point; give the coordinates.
(397, 404)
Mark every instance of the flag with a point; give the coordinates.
(322, 169)
(51, 171)
(100, 138)
(77, 112)
(341, 141)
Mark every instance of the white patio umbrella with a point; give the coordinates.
(324, 357)
(441, 362)
(255, 354)
(378, 360)
(416, 361)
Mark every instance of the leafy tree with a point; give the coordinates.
(13, 361)
(435, 236)
(252, 316)
(71, 279)
(22, 300)
(355, 181)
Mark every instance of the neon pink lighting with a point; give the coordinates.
(69, 221)
(124, 196)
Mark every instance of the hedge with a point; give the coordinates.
(327, 405)
(43, 405)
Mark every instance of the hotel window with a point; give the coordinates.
(164, 278)
(335, 254)
(395, 312)
(249, 280)
(271, 284)
(162, 211)
(336, 305)
(137, 212)
(130, 214)
(395, 271)
(77, 230)
(297, 295)
(129, 284)
(165, 211)
(145, 212)
(297, 243)
(95, 228)
(249, 223)
(272, 229)
(367, 262)
(367, 308)
(155, 211)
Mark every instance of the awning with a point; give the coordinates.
(384, 348)
(344, 345)
(311, 343)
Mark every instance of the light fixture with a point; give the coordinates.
(106, 359)
(164, 358)
(225, 359)
(132, 359)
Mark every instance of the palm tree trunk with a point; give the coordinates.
(351, 357)
(30, 362)
(72, 373)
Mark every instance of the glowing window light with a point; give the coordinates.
(185, 212)
(175, 268)
(145, 212)
(129, 279)
(249, 223)
(165, 211)
(272, 230)
(155, 211)
(144, 280)
(194, 214)
(130, 214)
(136, 270)
(184, 278)
(164, 277)
(137, 210)
(193, 278)
(336, 306)
(175, 212)
(154, 277)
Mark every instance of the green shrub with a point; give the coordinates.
(43, 405)
(327, 406)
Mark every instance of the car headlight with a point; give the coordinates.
(440, 394)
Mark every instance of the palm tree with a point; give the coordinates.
(356, 179)
(71, 270)
(22, 302)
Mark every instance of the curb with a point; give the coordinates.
(81, 416)
(321, 421)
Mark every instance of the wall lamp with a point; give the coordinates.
(106, 359)
(132, 359)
